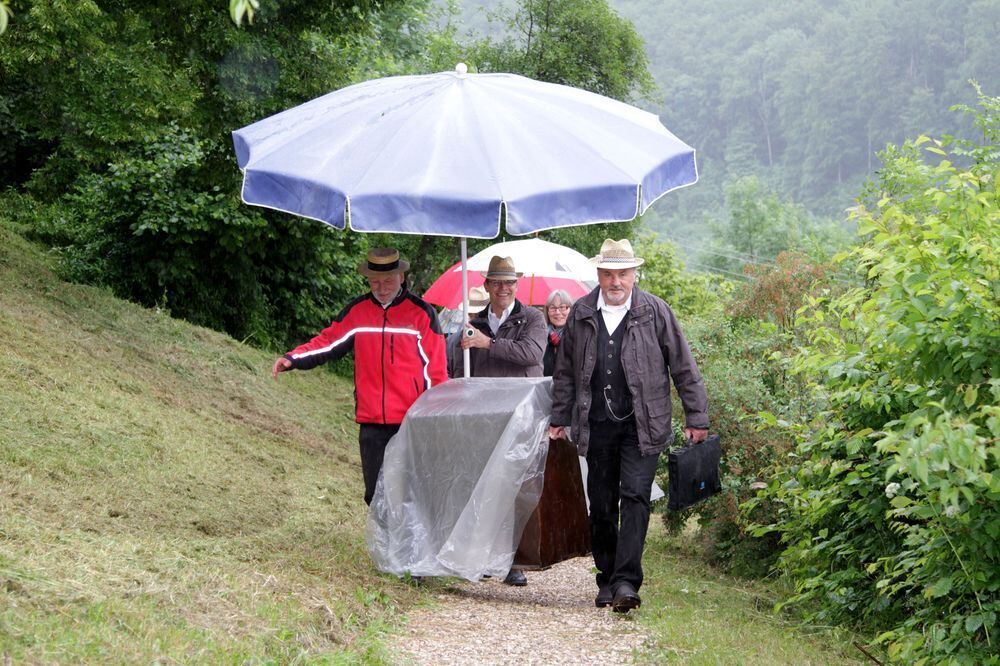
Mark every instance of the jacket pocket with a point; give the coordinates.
(658, 423)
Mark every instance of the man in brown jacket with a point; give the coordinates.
(506, 339)
(620, 349)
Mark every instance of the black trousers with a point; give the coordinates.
(372, 439)
(618, 476)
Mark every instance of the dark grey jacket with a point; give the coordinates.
(516, 350)
(653, 352)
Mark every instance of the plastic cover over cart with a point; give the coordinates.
(461, 478)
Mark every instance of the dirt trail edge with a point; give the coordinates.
(551, 621)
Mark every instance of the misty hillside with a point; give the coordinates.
(803, 93)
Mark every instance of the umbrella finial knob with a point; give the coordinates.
(462, 69)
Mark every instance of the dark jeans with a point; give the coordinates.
(372, 439)
(616, 471)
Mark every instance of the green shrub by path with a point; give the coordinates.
(890, 505)
(732, 360)
(733, 364)
(162, 498)
(741, 346)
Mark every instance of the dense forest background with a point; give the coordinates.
(789, 103)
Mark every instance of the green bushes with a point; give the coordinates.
(733, 363)
(889, 506)
(871, 412)
(742, 352)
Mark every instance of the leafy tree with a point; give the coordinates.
(119, 116)
(581, 43)
(758, 226)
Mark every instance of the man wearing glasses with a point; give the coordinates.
(506, 339)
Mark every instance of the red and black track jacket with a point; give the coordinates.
(399, 353)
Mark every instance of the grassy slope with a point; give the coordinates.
(161, 496)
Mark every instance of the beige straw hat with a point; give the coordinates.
(383, 261)
(478, 299)
(616, 254)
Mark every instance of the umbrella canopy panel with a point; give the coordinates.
(445, 154)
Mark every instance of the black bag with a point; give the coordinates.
(693, 473)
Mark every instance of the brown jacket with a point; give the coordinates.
(516, 350)
(653, 352)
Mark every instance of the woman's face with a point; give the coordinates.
(558, 312)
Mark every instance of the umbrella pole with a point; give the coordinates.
(465, 301)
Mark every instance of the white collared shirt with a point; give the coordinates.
(613, 314)
(494, 321)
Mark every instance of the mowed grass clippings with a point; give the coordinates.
(701, 616)
(161, 498)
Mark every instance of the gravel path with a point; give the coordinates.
(551, 621)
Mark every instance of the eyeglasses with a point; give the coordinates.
(558, 308)
(504, 283)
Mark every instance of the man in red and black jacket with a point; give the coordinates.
(399, 352)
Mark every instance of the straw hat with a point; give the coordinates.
(501, 268)
(616, 255)
(383, 261)
(478, 299)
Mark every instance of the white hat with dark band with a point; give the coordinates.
(616, 255)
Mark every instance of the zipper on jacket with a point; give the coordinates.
(385, 320)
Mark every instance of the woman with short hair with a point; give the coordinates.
(557, 307)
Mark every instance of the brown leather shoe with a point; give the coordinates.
(604, 597)
(625, 599)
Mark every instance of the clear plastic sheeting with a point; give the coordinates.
(461, 478)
